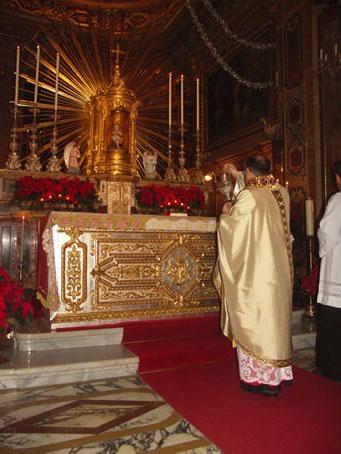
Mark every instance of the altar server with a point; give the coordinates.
(328, 322)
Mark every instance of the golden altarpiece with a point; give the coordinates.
(98, 268)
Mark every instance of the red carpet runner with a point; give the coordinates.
(166, 344)
(202, 384)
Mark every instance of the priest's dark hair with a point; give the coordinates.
(259, 164)
(337, 168)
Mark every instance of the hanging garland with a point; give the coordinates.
(219, 58)
(231, 34)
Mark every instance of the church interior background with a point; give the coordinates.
(116, 120)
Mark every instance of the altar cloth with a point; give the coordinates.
(103, 268)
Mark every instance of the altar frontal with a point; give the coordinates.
(99, 269)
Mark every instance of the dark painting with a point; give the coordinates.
(231, 105)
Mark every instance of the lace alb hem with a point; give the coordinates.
(253, 370)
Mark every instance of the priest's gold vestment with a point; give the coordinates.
(255, 267)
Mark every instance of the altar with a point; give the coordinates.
(100, 269)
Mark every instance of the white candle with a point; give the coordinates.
(309, 217)
(16, 96)
(182, 100)
(22, 239)
(56, 86)
(37, 76)
(321, 54)
(170, 99)
(335, 49)
(326, 57)
(287, 185)
(198, 105)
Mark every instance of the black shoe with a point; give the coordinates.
(264, 390)
(287, 382)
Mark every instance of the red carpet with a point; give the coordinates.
(304, 419)
(166, 344)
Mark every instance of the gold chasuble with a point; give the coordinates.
(256, 270)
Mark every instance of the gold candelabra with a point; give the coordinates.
(170, 173)
(13, 161)
(53, 163)
(183, 176)
(33, 163)
(198, 175)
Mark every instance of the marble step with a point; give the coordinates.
(303, 331)
(28, 369)
(56, 340)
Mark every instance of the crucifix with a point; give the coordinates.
(117, 52)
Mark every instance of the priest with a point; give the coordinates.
(255, 271)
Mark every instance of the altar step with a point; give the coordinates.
(65, 357)
(77, 356)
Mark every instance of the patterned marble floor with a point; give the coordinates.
(122, 415)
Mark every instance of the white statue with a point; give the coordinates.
(71, 156)
(116, 137)
(149, 164)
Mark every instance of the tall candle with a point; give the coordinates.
(37, 76)
(321, 54)
(335, 49)
(170, 99)
(56, 86)
(182, 99)
(287, 185)
(22, 239)
(16, 96)
(198, 104)
(309, 217)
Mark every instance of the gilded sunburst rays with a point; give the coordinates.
(86, 67)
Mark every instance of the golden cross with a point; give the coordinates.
(117, 52)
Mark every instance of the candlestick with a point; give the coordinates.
(170, 99)
(309, 217)
(56, 86)
(22, 239)
(16, 96)
(182, 99)
(198, 103)
(37, 76)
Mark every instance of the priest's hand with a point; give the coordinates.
(226, 208)
(231, 169)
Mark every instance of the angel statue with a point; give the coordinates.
(71, 156)
(149, 164)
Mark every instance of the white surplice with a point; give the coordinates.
(329, 235)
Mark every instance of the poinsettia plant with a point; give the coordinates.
(64, 190)
(310, 282)
(13, 307)
(164, 196)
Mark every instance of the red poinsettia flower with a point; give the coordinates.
(13, 307)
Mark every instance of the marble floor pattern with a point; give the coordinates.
(122, 415)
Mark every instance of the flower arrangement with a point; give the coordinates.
(309, 283)
(166, 197)
(13, 307)
(62, 191)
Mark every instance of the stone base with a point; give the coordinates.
(66, 357)
(57, 340)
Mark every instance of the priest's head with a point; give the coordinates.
(255, 166)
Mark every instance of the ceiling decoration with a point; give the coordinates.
(141, 16)
(233, 36)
